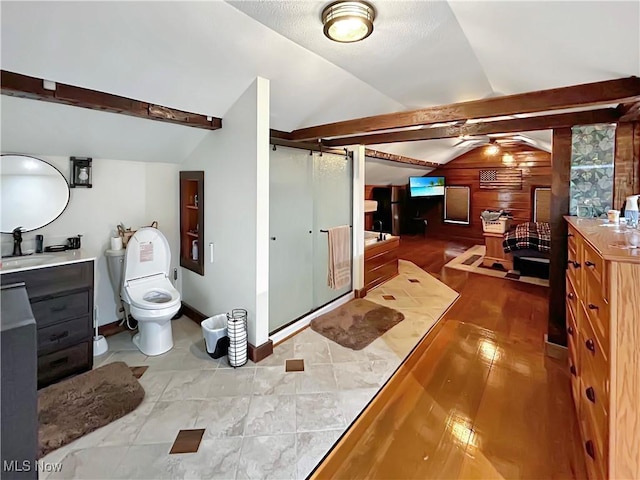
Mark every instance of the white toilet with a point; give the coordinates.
(147, 290)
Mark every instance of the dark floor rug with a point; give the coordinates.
(77, 406)
(356, 324)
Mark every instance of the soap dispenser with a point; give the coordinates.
(194, 250)
(631, 210)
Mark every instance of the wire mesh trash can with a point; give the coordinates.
(214, 331)
(237, 331)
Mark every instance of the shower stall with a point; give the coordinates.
(309, 192)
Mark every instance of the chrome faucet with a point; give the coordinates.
(17, 240)
(378, 222)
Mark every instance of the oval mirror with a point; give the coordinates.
(34, 193)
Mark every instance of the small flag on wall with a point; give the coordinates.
(504, 179)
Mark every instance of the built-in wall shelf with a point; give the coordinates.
(192, 220)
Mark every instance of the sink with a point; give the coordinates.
(21, 262)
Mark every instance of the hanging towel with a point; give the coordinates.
(339, 257)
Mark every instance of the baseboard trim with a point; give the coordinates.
(554, 350)
(112, 328)
(195, 315)
(261, 351)
(361, 293)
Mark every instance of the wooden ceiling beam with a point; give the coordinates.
(23, 86)
(588, 94)
(543, 122)
(398, 158)
(629, 112)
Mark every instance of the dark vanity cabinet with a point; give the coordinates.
(61, 299)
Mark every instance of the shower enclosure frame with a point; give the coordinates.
(318, 230)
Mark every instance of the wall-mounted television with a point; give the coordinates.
(426, 186)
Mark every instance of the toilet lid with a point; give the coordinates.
(147, 254)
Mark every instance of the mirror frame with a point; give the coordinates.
(57, 170)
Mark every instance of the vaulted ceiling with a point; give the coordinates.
(200, 56)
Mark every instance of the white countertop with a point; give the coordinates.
(43, 260)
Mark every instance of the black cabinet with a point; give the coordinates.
(19, 416)
(61, 299)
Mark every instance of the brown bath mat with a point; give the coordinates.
(72, 408)
(356, 324)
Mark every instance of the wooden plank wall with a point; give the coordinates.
(465, 170)
(627, 163)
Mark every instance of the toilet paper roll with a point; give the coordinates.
(116, 243)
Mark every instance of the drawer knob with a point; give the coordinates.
(593, 307)
(590, 345)
(569, 234)
(59, 336)
(589, 264)
(576, 264)
(570, 330)
(573, 371)
(58, 362)
(591, 394)
(571, 296)
(588, 446)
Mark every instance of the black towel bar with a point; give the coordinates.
(327, 231)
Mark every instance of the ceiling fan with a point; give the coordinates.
(500, 139)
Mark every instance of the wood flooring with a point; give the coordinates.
(476, 399)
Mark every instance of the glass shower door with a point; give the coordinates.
(332, 199)
(291, 240)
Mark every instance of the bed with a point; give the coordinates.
(529, 244)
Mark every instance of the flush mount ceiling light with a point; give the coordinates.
(348, 22)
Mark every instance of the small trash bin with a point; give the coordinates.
(214, 330)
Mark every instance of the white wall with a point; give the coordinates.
(134, 193)
(235, 160)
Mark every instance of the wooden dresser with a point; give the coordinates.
(603, 326)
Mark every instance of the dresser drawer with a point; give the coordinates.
(595, 458)
(593, 361)
(573, 301)
(574, 372)
(597, 309)
(63, 307)
(63, 334)
(574, 270)
(596, 404)
(61, 364)
(593, 264)
(572, 237)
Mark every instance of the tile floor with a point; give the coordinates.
(259, 420)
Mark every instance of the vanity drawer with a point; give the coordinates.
(49, 281)
(63, 307)
(64, 334)
(63, 363)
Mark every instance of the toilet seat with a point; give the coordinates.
(152, 293)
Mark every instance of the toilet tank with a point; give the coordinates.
(115, 265)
